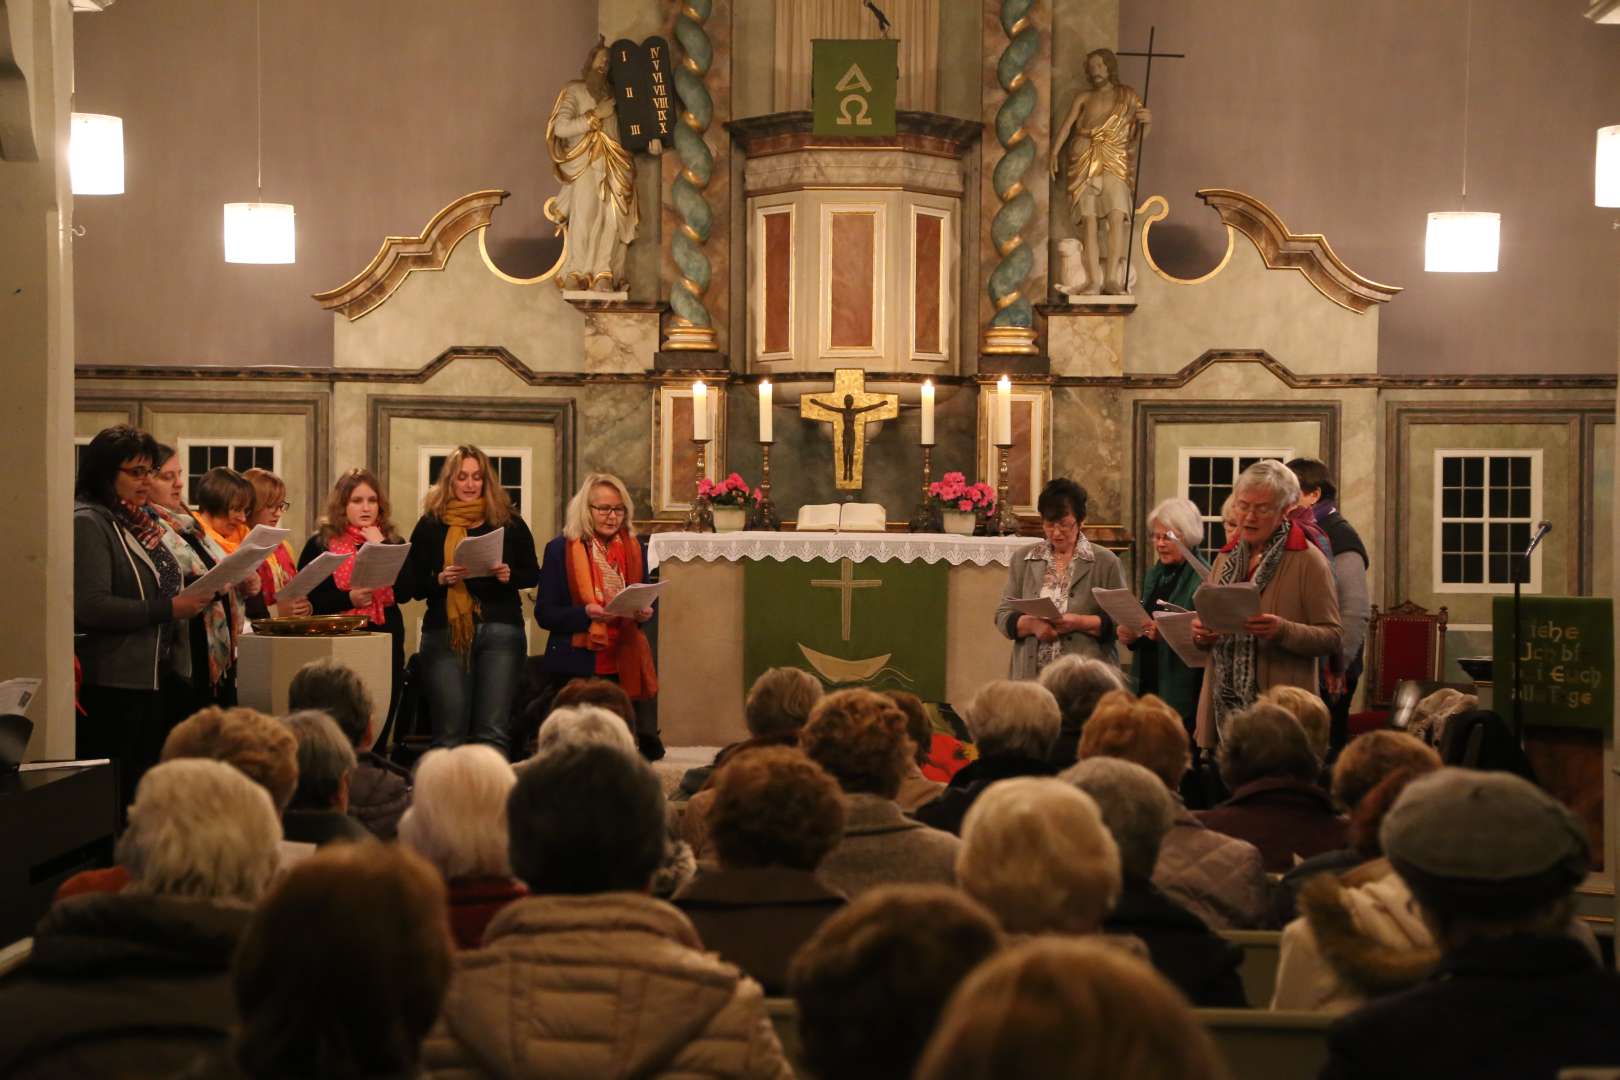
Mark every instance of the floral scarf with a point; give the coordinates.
(149, 534)
(597, 573)
(1235, 657)
(220, 626)
(1055, 585)
(348, 543)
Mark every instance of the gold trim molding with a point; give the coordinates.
(400, 256)
(1308, 253)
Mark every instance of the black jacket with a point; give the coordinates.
(1201, 963)
(947, 811)
(1516, 1008)
(498, 601)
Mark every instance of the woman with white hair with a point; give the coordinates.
(137, 983)
(1078, 684)
(581, 572)
(457, 822)
(1169, 584)
(1014, 726)
(1298, 623)
(1035, 852)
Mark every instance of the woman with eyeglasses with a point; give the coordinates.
(1169, 584)
(126, 603)
(473, 645)
(596, 556)
(1298, 624)
(1063, 568)
(269, 504)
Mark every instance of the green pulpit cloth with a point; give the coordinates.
(1566, 660)
(854, 85)
(879, 625)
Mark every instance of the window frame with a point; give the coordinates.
(1438, 584)
(1184, 456)
(183, 448)
(426, 477)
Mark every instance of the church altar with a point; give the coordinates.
(886, 610)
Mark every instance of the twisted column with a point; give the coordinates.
(1012, 328)
(691, 327)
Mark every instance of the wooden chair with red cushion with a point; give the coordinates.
(1405, 642)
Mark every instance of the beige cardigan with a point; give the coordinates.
(1303, 593)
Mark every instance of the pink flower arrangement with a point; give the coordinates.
(953, 492)
(732, 491)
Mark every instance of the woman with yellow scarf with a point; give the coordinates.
(473, 644)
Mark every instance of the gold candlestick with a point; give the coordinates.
(764, 515)
(926, 517)
(701, 517)
(1005, 522)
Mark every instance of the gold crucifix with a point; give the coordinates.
(846, 584)
(849, 408)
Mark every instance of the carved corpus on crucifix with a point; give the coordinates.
(849, 408)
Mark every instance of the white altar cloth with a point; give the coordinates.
(833, 546)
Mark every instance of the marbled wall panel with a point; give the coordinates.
(1091, 444)
(778, 283)
(1086, 344)
(852, 243)
(1026, 441)
(612, 432)
(620, 342)
(926, 255)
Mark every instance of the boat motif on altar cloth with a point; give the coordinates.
(877, 625)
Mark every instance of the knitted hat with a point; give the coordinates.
(1484, 843)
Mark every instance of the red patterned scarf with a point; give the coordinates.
(347, 544)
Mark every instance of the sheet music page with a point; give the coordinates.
(303, 583)
(1175, 628)
(1225, 608)
(1039, 606)
(376, 566)
(1122, 607)
(15, 695)
(480, 555)
(632, 598)
(228, 571)
(267, 536)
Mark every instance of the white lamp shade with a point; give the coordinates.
(1462, 243)
(1608, 166)
(96, 154)
(259, 232)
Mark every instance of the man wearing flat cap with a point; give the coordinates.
(1493, 862)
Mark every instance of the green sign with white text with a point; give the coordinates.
(1566, 660)
(854, 86)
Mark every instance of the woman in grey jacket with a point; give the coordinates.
(126, 599)
(1064, 568)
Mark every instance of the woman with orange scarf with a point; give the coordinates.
(472, 645)
(596, 556)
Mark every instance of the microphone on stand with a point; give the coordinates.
(882, 19)
(1520, 570)
(1542, 529)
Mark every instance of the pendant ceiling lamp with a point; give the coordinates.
(1463, 241)
(96, 154)
(259, 232)
(1607, 189)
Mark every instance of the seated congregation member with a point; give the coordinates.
(126, 604)
(582, 570)
(319, 811)
(778, 704)
(1493, 862)
(916, 788)
(356, 515)
(1361, 767)
(204, 653)
(859, 737)
(1171, 580)
(1013, 724)
(136, 983)
(269, 505)
(1219, 878)
(1434, 712)
(1071, 1008)
(1311, 712)
(1035, 852)
(872, 981)
(343, 968)
(562, 971)
(1268, 764)
(458, 823)
(1138, 811)
(1064, 568)
(473, 646)
(379, 791)
(1298, 624)
(774, 817)
(1077, 683)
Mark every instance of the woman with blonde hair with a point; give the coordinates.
(582, 570)
(472, 635)
(357, 514)
(269, 504)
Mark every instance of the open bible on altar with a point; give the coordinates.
(842, 517)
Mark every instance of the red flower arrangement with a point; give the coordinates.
(953, 492)
(732, 491)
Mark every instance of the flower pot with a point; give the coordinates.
(730, 519)
(960, 522)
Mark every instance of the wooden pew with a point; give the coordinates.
(1259, 971)
(1259, 1044)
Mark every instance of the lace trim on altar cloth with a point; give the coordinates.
(860, 547)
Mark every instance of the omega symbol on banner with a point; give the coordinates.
(855, 89)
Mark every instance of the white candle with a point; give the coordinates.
(928, 412)
(1003, 429)
(765, 411)
(700, 411)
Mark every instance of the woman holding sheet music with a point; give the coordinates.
(1168, 586)
(269, 504)
(473, 644)
(1298, 620)
(356, 515)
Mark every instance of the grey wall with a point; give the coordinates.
(377, 113)
(1346, 118)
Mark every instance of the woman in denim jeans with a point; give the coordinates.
(473, 646)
